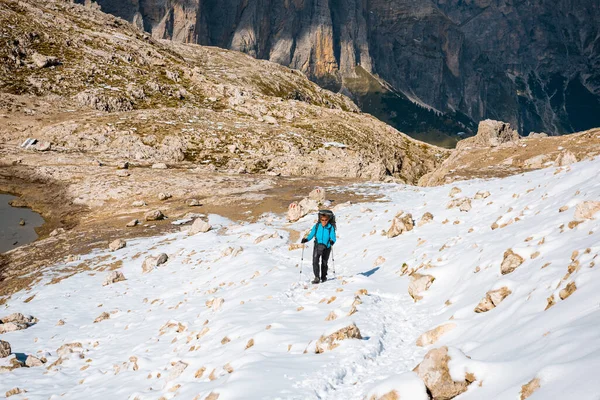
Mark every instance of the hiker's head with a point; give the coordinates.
(323, 219)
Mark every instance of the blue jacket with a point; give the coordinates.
(324, 234)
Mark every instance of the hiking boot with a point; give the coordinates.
(315, 281)
(324, 279)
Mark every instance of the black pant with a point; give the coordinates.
(320, 251)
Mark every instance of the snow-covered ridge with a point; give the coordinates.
(226, 315)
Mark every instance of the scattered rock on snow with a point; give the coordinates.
(433, 335)
(510, 262)
(463, 203)
(400, 224)
(454, 191)
(14, 391)
(102, 317)
(482, 195)
(266, 236)
(492, 299)
(117, 244)
(113, 277)
(425, 219)
(530, 387)
(331, 341)
(32, 361)
(69, 348)
(380, 260)
(152, 262)
(154, 215)
(587, 210)
(418, 284)
(435, 373)
(5, 349)
(199, 226)
(565, 158)
(567, 291)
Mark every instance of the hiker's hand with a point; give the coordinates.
(304, 240)
(331, 243)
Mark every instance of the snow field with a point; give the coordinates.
(168, 335)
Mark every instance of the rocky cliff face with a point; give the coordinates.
(535, 64)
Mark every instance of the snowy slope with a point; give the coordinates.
(166, 339)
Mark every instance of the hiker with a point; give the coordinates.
(324, 234)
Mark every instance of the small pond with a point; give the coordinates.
(17, 225)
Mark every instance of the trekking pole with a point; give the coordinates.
(301, 262)
(333, 261)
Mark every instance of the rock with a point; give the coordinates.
(193, 203)
(33, 361)
(154, 215)
(400, 224)
(530, 387)
(492, 299)
(10, 363)
(425, 219)
(270, 120)
(5, 349)
(463, 204)
(433, 335)
(159, 166)
(199, 226)
(132, 223)
(536, 135)
(587, 210)
(11, 327)
(216, 304)
(454, 191)
(308, 206)
(22, 222)
(57, 231)
(14, 391)
(42, 61)
(102, 317)
(565, 158)
(177, 370)
(117, 245)
(104, 101)
(435, 373)
(567, 291)
(318, 195)
(19, 318)
(482, 195)
(113, 277)
(418, 284)
(294, 212)
(123, 173)
(123, 165)
(535, 162)
(491, 133)
(510, 262)
(139, 203)
(152, 262)
(43, 146)
(164, 196)
(380, 260)
(331, 341)
(66, 349)
(266, 236)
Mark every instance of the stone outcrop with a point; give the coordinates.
(491, 133)
(199, 226)
(435, 373)
(5, 349)
(510, 262)
(16, 322)
(587, 210)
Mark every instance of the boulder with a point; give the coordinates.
(11, 327)
(418, 284)
(510, 262)
(492, 299)
(530, 387)
(435, 373)
(159, 166)
(463, 204)
(308, 206)
(102, 317)
(154, 215)
(138, 203)
(32, 361)
(42, 61)
(193, 203)
(152, 262)
(294, 212)
(68, 348)
(400, 224)
(266, 236)
(331, 341)
(318, 195)
(565, 158)
(117, 244)
(19, 319)
(567, 291)
(433, 335)
(535, 162)
(537, 135)
(164, 196)
(199, 226)
(454, 191)
(587, 210)
(123, 165)
(491, 133)
(425, 219)
(482, 195)
(113, 277)
(132, 223)
(5, 349)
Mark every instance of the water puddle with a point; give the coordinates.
(17, 225)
